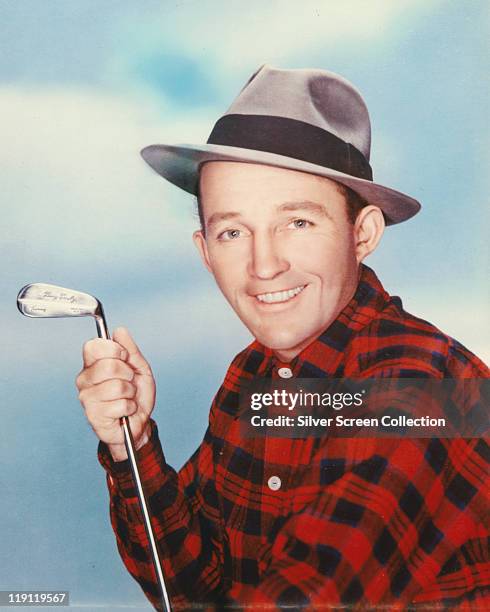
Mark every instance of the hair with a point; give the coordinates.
(354, 203)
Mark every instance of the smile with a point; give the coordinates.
(280, 296)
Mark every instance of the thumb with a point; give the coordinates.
(135, 359)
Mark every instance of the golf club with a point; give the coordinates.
(40, 300)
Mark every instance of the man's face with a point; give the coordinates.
(281, 248)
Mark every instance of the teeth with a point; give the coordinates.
(279, 296)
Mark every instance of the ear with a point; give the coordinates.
(368, 229)
(202, 247)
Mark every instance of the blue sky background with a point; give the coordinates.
(83, 87)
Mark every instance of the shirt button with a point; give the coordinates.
(285, 372)
(274, 483)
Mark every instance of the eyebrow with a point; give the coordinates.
(308, 205)
(221, 216)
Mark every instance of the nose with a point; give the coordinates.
(267, 261)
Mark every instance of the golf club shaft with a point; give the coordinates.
(103, 332)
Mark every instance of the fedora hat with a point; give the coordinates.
(307, 120)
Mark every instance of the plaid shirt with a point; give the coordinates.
(347, 521)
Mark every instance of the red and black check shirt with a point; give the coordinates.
(400, 522)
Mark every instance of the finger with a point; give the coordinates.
(98, 348)
(107, 391)
(135, 359)
(104, 369)
(111, 411)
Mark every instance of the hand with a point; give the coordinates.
(116, 381)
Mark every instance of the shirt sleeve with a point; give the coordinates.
(397, 521)
(185, 517)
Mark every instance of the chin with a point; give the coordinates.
(281, 340)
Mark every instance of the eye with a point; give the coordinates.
(231, 234)
(300, 224)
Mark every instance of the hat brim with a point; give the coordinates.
(180, 164)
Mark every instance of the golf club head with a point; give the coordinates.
(41, 300)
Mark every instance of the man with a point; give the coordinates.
(288, 213)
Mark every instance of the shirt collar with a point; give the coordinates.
(325, 355)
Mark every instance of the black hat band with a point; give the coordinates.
(292, 138)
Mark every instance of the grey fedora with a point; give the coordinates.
(307, 120)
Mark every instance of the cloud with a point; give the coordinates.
(74, 185)
(235, 36)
